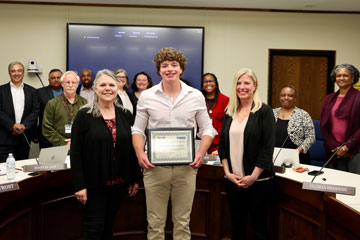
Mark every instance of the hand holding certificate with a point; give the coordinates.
(171, 146)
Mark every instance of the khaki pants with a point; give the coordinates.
(177, 182)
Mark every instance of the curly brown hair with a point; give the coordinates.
(170, 54)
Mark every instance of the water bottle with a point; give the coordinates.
(10, 167)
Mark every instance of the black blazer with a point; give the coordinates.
(92, 152)
(259, 141)
(44, 94)
(7, 114)
(133, 100)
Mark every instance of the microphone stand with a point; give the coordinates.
(27, 141)
(280, 169)
(327, 162)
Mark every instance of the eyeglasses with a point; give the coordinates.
(208, 81)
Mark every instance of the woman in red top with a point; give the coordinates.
(216, 104)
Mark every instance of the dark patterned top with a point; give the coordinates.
(300, 128)
(111, 123)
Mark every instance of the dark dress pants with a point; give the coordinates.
(20, 149)
(100, 211)
(254, 201)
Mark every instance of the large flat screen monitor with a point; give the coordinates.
(133, 48)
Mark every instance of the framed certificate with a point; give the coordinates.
(171, 146)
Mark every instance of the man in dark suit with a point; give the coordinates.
(45, 94)
(19, 109)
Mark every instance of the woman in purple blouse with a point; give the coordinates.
(340, 120)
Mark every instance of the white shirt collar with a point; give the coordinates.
(84, 89)
(184, 88)
(13, 85)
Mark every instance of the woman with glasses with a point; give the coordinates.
(215, 103)
(125, 99)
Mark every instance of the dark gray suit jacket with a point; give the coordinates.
(45, 94)
(7, 114)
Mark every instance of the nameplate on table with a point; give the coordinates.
(321, 187)
(279, 169)
(44, 167)
(7, 187)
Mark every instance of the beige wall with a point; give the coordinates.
(233, 39)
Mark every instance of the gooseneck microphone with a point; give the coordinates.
(332, 156)
(282, 146)
(27, 141)
(280, 169)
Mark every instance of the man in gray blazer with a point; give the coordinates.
(45, 94)
(19, 109)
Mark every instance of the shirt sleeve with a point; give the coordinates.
(141, 119)
(309, 132)
(267, 145)
(203, 120)
(49, 128)
(31, 119)
(76, 158)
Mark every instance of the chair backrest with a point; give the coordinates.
(317, 152)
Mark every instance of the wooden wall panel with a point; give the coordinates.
(132, 224)
(342, 221)
(45, 209)
(307, 71)
(67, 213)
(19, 226)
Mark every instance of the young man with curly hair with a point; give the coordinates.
(171, 103)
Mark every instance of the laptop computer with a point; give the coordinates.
(287, 158)
(53, 155)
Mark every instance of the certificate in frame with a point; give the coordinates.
(171, 146)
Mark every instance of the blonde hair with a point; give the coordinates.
(234, 102)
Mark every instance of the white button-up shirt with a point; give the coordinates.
(88, 95)
(18, 98)
(155, 110)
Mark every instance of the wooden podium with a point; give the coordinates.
(45, 208)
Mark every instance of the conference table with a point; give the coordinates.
(45, 208)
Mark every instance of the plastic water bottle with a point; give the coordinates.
(10, 167)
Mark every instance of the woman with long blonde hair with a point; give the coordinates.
(245, 148)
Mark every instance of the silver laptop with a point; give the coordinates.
(53, 155)
(287, 157)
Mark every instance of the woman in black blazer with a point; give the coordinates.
(246, 148)
(103, 162)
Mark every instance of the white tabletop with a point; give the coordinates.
(330, 176)
(20, 175)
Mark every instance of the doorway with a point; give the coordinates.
(308, 71)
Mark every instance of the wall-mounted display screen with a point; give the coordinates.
(133, 48)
